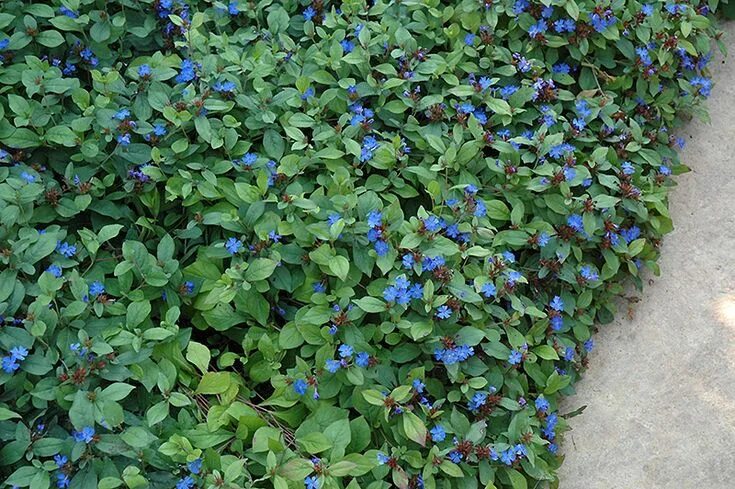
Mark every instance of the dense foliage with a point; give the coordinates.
(322, 245)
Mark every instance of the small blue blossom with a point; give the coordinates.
(542, 404)
(515, 357)
(66, 249)
(86, 434)
(144, 71)
(362, 359)
(300, 386)
(345, 351)
(309, 13)
(311, 482)
(489, 290)
(195, 466)
(234, 246)
(443, 312)
(437, 433)
(588, 273)
(186, 482)
(96, 288)
(333, 365)
(455, 456)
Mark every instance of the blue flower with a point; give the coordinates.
(54, 270)
(408, 260)
(438, 433)
(433, 224)
(455, 456)
(557, 323)
(542, 404)
(513, 277)
(68, 12)
(537, 29)
(122, 114)
(508, 456)
(557, 304)
(443, 312)
(28, 177)
(575, 222)
(561, 68)
(543, 239)
(362, 359)
(309, 13)
(86, 434)
(195, 466)
(383, 458)
(9, 365)
(96, 288)
(569, 354)
(450, 356)
(630, 234)
(347, 46)
(588, 274)
(489, 290)
(234, 246)
(627, 168)
(515, 357)
(332, 365)
(300, 386)
(374, 219)
(232, 8)
(311, 482)
(369, 145)
(19, 353)
(469, 39)
(123, 139)
(187, 71)
(589, 345)
(346, 351)
(62, 480)
(224, 87)
(61, 460)
(480, 209)
(664, 170)
(186, 483)
(381, 248)
(430, 264)
(144, 71)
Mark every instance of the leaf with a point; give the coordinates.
(314, 443)
(340, 267)
(260, 269)
(214, 383)
(199, 355)
(137, 313)
(370, 304)
(415, 428)
(117, 391)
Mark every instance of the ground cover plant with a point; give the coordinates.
(322, 245)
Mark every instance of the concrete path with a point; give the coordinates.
(660, 391)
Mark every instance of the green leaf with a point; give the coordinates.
(199, 355)
(214, 383)
(137, 313)
(415, 428)
(370, 304)
(340, 267)
(260, 269)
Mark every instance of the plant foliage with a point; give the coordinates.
(323, 245)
